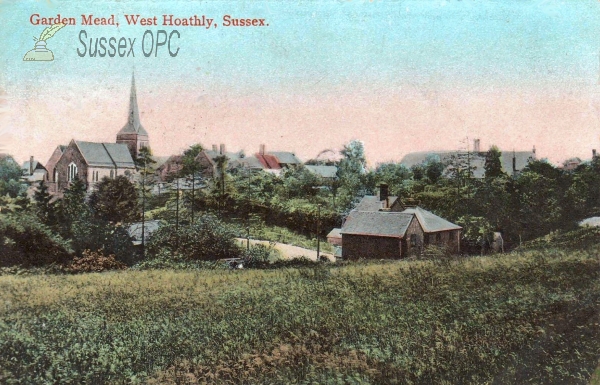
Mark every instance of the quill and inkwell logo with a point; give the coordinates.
(40, 52)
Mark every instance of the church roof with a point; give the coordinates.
(133, 126)
(106, 154)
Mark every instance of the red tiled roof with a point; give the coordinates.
(268, 161)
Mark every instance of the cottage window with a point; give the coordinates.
(55, 175)
(438, 237)
(72, 171)
(413, 239)
(112, 174)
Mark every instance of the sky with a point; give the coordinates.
(401, 76)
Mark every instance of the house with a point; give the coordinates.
(512, 161)
(335, 237)
(169, 168)
(325, 172)
(33, 172)
(90, 161)
(384, 228)
(274, 161)
(208, 160)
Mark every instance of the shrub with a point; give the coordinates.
(208, 239)
(258, 256)
(94, 261)
(27, 242)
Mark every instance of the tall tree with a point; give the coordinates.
(493, 163)
(220, 176)
(191, 170)
(145, 165)
(43, 207)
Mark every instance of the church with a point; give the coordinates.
(90, 161)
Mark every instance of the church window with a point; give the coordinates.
(72, 171)
(112, 174)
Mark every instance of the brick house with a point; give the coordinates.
(383, 228)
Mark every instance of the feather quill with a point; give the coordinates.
(50, 31)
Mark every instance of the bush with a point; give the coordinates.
(94, 234)
(208, 239)
(94, 261)
(27, 242)
(258, 256)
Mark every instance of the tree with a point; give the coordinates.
(219, 179)
(190, 170)
(145, 165)
(10, 177)
(115, 200)
(493, 163)
(43, 208)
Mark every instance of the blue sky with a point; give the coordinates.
(326, 52)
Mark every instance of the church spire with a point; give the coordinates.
(133, 120)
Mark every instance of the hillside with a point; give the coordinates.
(528, 317)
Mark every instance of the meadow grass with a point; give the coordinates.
(527, 317)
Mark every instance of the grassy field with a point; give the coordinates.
(529, 317)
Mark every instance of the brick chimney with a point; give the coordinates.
(31, 165)
(214, 148)
(594, 153)
(261, 149)
(222, 149)
(476, 145)
(384, 195)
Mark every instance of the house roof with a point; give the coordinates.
(36, 166)
(323, 171)
(268, 161)
(477, 159)
(430, 222)
(285, 157)
(135, 230)
(372, 203)
(105, 154)
(335, 233)
(133, 126)
(247, 162)
(377, 223)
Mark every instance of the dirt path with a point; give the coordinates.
(289, 251)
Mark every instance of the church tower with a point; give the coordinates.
(133, 134)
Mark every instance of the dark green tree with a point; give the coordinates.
(115, 200)
(10, 177)
(44, 209)
(493, 163)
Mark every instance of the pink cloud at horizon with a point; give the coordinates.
(391, 124)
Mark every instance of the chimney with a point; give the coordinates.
(261, 149)
(534, 154)
(594, 153)
(476, 145)
(31, 165)
(214, 147)
(514, 163)
(384, 194)
(222, 149)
